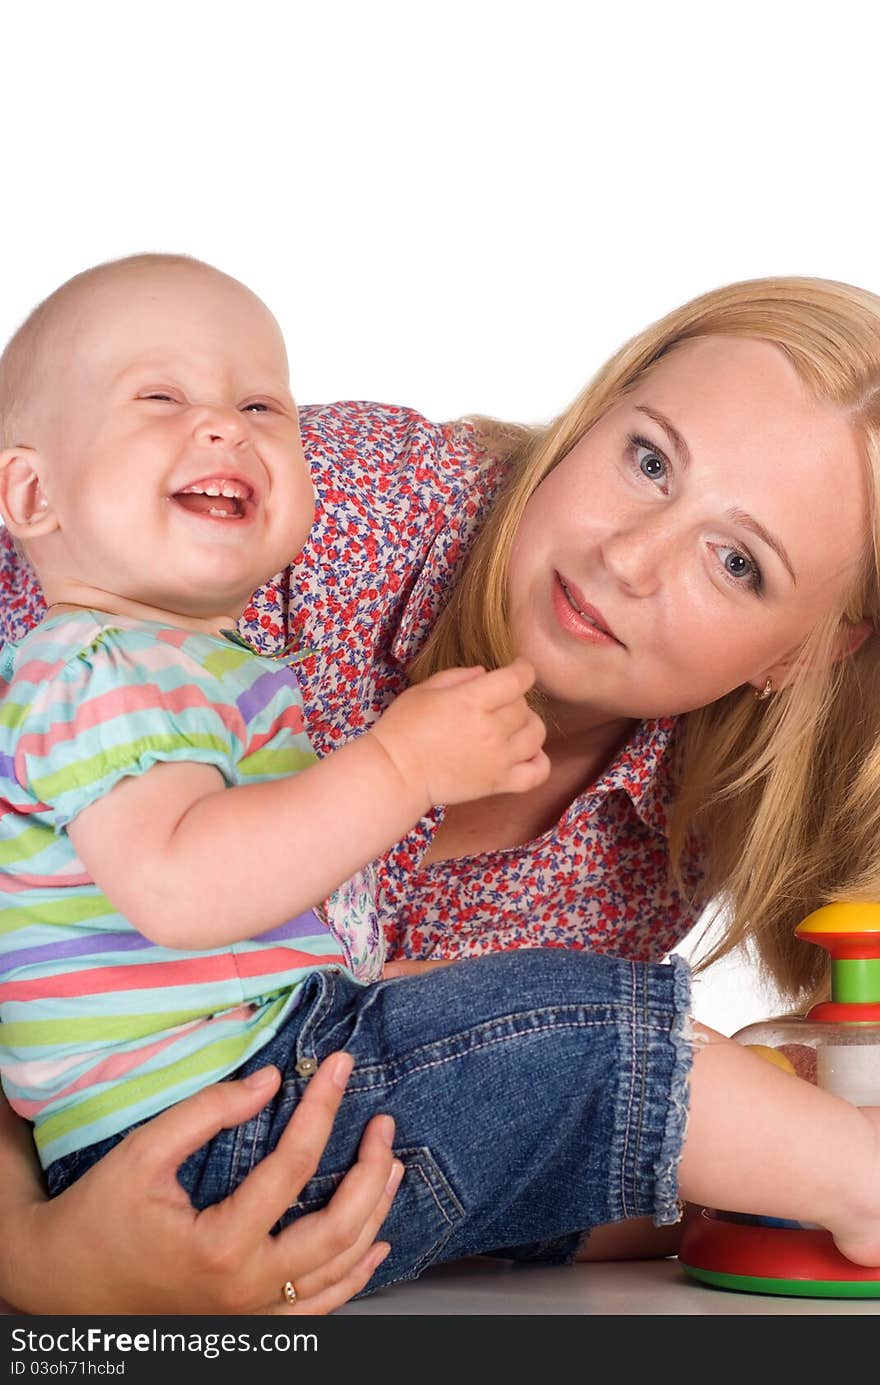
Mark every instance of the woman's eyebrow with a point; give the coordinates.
(675, 436)
(749, 522)
(738, 516)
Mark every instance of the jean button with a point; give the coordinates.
(306, 1067)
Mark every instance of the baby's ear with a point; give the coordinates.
(26, 511)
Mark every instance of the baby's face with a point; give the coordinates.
(172, 454)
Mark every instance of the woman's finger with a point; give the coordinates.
(344, 1276)
(315, 1281)
(161, 1146)
(254, 1207)
(334, 1295)
(323, 1245)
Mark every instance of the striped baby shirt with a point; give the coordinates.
(100, 1028)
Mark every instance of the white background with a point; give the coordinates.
(460, 206)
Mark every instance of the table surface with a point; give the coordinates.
(638, 1287)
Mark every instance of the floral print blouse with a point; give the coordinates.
(400, 500)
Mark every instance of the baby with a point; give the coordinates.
(186, 890)
(155, 474)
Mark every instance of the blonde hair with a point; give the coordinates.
(782, 799)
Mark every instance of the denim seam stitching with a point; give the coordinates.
(643, 1083)
(431, 1254)
(419, 1166)
(316, 1014)
(354, 1086)
(629, 1102)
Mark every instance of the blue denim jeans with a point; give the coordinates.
(536, 1094)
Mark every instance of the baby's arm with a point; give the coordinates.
(184, 858)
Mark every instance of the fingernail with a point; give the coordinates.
(380, 1253)
(261, 1078)
(394, 1178)
(385, 1126)
(341, 1072)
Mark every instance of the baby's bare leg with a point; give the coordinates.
(759, 1140)
(636, 1239)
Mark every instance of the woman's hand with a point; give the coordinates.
(413, 968)
(126, 1239)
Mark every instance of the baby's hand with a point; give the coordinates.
(465, 734)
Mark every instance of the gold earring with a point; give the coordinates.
(762, 694)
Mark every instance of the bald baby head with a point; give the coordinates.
(40, 354)
(152, 452)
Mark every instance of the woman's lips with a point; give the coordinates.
(577, 616)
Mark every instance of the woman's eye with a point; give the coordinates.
(649, 461)
(158, 394)
(257, 406)
(739, 569)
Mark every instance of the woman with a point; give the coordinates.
(662, 557)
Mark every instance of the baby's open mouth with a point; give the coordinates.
(218, 497)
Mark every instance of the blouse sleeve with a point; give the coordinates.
(115, 708)
(21, 597)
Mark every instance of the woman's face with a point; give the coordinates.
(691, 540)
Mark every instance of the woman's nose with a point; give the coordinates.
(215, 425)
(637, 554)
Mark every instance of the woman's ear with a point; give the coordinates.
(850, 637)
(26, 511)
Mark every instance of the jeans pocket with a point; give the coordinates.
(423, 1215)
